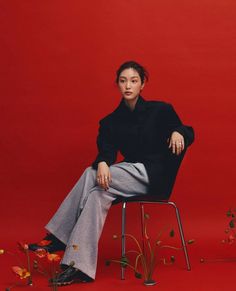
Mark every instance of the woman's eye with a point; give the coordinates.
(134, 81)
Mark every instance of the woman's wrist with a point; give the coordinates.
(102, 163)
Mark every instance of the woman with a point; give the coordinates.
(148, 134)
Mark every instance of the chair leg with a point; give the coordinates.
(181, 235)
(123, 225)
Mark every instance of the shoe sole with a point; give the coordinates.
(48, 251)
(71, 282)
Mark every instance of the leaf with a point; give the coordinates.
(172, 233)
(172, 259)
(158, 242)
(124, 262)
(228, 213)
(231, 224)
(191, 241)
(138, 275)
(146, 216)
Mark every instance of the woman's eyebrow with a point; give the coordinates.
(123, 77)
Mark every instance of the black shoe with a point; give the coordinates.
(70, 275)
(50, 243)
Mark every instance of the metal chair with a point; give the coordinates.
(150, 200)
(172, 164)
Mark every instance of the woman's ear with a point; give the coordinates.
(142, 86)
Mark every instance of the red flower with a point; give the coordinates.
(41, 253)
(231, 239)
(53, 257)
(21, 272)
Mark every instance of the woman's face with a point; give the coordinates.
(130, 84)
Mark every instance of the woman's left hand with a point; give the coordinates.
(176, 142)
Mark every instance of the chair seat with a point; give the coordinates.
(139, 198)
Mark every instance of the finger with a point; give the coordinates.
(173, 148)
(98, 180)
(183, 145)
(109, 177)
(180, 146)
(106, 183)
(178, 150)
(102, 182)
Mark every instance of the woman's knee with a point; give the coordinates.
(90, 171)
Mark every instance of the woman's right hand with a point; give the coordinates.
(103, 175)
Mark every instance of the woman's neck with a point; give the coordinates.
(131, 103)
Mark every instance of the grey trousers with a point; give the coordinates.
(79, 220)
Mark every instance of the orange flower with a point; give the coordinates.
(21, 272)
(53, 257)
(44, 243)
(41, 253)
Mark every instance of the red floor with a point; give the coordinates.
(207, 231)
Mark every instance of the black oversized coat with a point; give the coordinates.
(141, 136)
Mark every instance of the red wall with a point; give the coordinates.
(58, 62)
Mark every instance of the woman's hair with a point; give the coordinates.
(133, 65)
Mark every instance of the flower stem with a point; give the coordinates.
(30, 281)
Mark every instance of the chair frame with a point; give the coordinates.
(123, 229)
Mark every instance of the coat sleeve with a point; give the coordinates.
(175, 124)
(107, 151)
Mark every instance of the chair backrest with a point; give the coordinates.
(172, 165)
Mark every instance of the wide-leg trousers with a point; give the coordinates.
(79, 220)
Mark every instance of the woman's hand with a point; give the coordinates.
(103, 175)
(176, 142)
